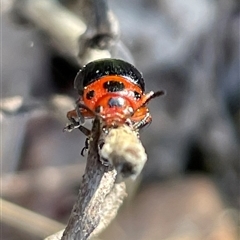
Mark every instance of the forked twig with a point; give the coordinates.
(102, 191)
(98, 182)
(62, 26)
(96, 191)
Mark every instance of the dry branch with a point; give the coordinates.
(100, 195)
(98, 182)
(26, 220)
(69, 34)
(18, 185)
(56, 21)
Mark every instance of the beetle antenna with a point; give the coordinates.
(151, 96)
(154, 95)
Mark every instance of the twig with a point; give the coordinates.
(82, 40)
(102, 31)
(102, 190)
(19, 185)
(26, 220)
(96, 190)
(61, 25)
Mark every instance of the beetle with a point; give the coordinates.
(114, 91)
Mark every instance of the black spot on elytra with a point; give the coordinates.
(137, 95)
(90, 94)
(113, 86)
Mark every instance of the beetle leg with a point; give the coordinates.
(85, 131)
(149, 96)
(72, 116)
(142, 123)
(129, 123)
(86, 147)
(79, 115)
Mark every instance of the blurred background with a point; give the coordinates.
(190, 186)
